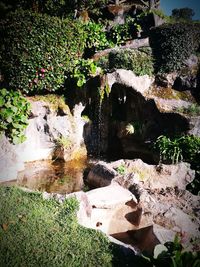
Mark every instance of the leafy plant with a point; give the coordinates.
(84, 68)
(187, 148)
(193, 109)
(130, 128)
(64, 142)
(118, 34)
(173, 43)
(14, 110)
(121, 169)
(96, 36)
(86, 118)
(175, 149)
(36, 50)
(170, 150)
(139, 62)
(172, 254)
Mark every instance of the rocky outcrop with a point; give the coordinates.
(162, 207)
(128, 79)
(139, 217)
(138, 172)
(46, 127)
(137, 103)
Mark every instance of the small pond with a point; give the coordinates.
(52, 176)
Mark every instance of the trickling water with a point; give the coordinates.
(99, 125)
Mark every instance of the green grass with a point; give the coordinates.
(37, 232)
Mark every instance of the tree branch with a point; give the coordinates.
(130, 45)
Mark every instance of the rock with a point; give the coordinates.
(166, 79)
(110, 196)
(182, 220)
(192, 61)
(194, 126)
(10, 163)
(101, 174)
(136, 171)
(45, 127)
(164, 235)
(185, 82)
(127, 78)
(119, 13)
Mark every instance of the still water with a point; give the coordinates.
(52, 176)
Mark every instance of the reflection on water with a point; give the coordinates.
(53, 176)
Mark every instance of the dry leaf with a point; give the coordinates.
(5, 226)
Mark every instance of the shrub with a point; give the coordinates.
(61, 8)
(139, 62)
(173, 43)
(36, 50)
(14, 110)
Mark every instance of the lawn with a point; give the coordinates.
(37, 232)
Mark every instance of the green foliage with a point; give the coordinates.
(64, 142)
(183, 13)
(186, 147)
(14, 110)
(172, 254)
(38, 232)
(60, 8)
(96, 36)
(173, 43)
(139, 62)
(118, 34)
(193, 109)
(84, 68)
(169, 150)
(36, 50)
(121, 169)
(86, 119)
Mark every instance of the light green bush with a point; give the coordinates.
(14, 110)
(139, 62)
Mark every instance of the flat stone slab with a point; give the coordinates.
(110, 196)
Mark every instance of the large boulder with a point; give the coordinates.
(127, 78)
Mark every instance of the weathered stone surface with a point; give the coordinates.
(192, 61)
(152, 176)
(101, 174)
(45, 127)
(166, 79)
(109, 196)
(10, 163)
(129, 79)
(185, 82)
